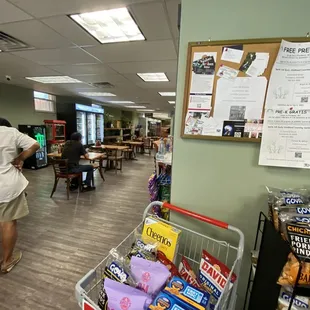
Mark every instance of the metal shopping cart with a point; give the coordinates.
(191, 245)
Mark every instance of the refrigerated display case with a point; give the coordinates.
(100, 127)
(91, 128)
(37, 132)
(87, 120)
(81, 125)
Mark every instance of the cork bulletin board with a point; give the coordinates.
(225, 88)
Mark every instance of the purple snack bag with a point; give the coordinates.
(150, 276)
(125, 297)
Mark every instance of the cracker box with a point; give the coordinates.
(187, 295)
(166, 235)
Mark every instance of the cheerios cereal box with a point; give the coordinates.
(167, 236)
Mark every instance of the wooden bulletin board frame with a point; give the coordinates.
(269, 45)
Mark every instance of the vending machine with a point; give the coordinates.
(37, 132)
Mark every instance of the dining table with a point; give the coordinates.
(92, 157)
(134, 145)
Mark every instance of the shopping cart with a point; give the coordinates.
(191, 245)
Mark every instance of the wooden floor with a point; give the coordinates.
(62, 240)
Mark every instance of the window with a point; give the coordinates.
(44, 102)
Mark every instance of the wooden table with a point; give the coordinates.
(134, 145)
(111, 147)
(92, 157)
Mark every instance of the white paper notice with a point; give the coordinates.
(255, 64)
(232, 55)
(199, 102)
(203, 73)
(239, 99)
(227, 72)
(286, 131)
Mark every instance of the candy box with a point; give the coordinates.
(166, 235)
(165, 302)
(188, 295)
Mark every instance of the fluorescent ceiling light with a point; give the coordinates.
(167, 94)
(153, 77)
(97, 94)
(121, 102)
(135, 107)
(110, 26)
(171, 102)
(146, 110)
(53, 79)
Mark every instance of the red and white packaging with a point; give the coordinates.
(188, 274)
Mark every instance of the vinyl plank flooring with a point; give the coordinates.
(62, 240)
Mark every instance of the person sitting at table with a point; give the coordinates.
(72, 151)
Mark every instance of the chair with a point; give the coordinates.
(128, 153)
(113, 159)
(147, 146)
(61, 171)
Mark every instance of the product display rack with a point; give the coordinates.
(263, 290)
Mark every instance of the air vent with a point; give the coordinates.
(9, 44)
(103, 85)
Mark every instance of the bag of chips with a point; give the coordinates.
(169, 264)
(290, 272)
(117, 270)
(213, 276)
(284, 305)
(300, 302)
(150, 276)
(124, 297)
(142, 249)
(291, 200)
(187, 273)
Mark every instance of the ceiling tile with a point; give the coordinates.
(45, 8)
(35, 34)
(69, 29)
(173, 12)
(18, 67)
(134, 51)
(148, 15)
(10, 13)
(82, 69)
(57, 56)
(145, 66)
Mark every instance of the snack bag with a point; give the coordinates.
(164, 301)
(187, 295)
(187, 273)
(125, 297)
(117, 270)
(166, 235)
(143, 250)
(279, 199)
(150, 276)
(299, 301)
(213, 276)
(170, 265)
(290, 272)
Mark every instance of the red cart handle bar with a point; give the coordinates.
(196, 216)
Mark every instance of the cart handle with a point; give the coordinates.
(195, 215)
(192, 214)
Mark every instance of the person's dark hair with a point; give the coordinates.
(5, 122)
(76, 136)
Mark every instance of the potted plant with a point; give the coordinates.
(108, 120)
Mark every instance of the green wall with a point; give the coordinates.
(223, 179)
(16, 105)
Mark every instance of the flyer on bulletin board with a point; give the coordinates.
(201, 90)
(286, 130)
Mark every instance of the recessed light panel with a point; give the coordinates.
(110, 26)
(97, 94)
(171, 102)
(121, 102)
(145, 110)
(53, 79)
(167, 94)
(135, 107)
(153, 77)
